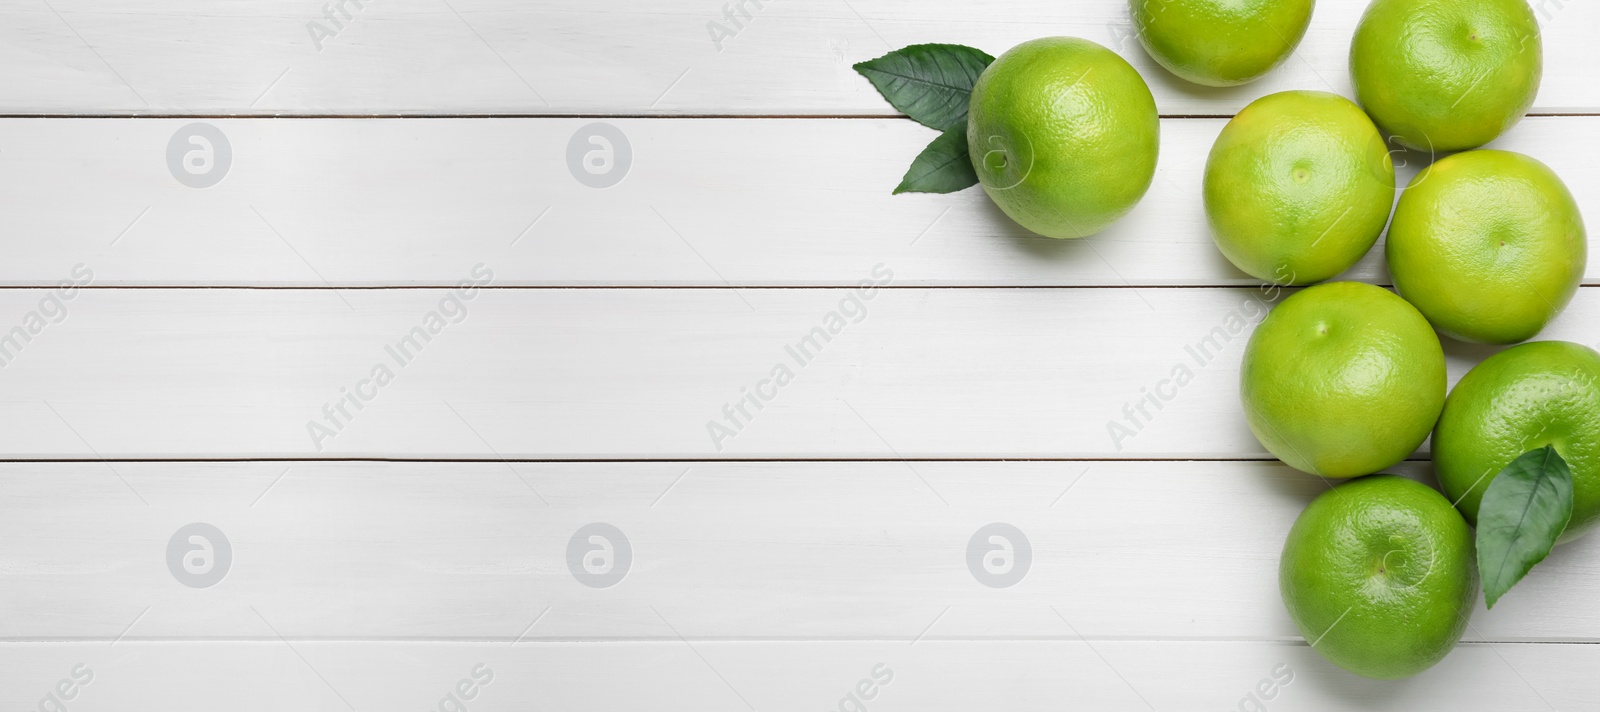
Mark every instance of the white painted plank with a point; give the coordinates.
(629, 373)
(724, 551)
(718, 676)
(566, 56)
(704, 202)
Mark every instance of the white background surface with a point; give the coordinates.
(774, 570)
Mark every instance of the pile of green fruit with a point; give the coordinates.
(1341, 379)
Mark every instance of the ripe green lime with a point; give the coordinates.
(1298, 187)
(1521, 399)
(1379, 576)
(1489, 245)
(1342, 379)
(1220, 43)
(1446, 75)
(1063, 134)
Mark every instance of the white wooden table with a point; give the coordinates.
(194, 368)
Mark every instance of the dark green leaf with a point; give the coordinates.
(928, 82)
(1524, 510)
(942, 167)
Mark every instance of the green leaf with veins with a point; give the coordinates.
(931, 83)
(1524, 511)
(942, 167)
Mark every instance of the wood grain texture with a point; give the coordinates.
(568, 56)
(705, 202)
(724, 551)
(630, 374)
(742, 676)
(779, 579)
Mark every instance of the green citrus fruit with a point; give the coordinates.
(1298, 187)
(1446, 75)
(1489, 245)
(1342, 379)
(1521, 399)
(1379, 576)
(1063, 134)
(1220, 43)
